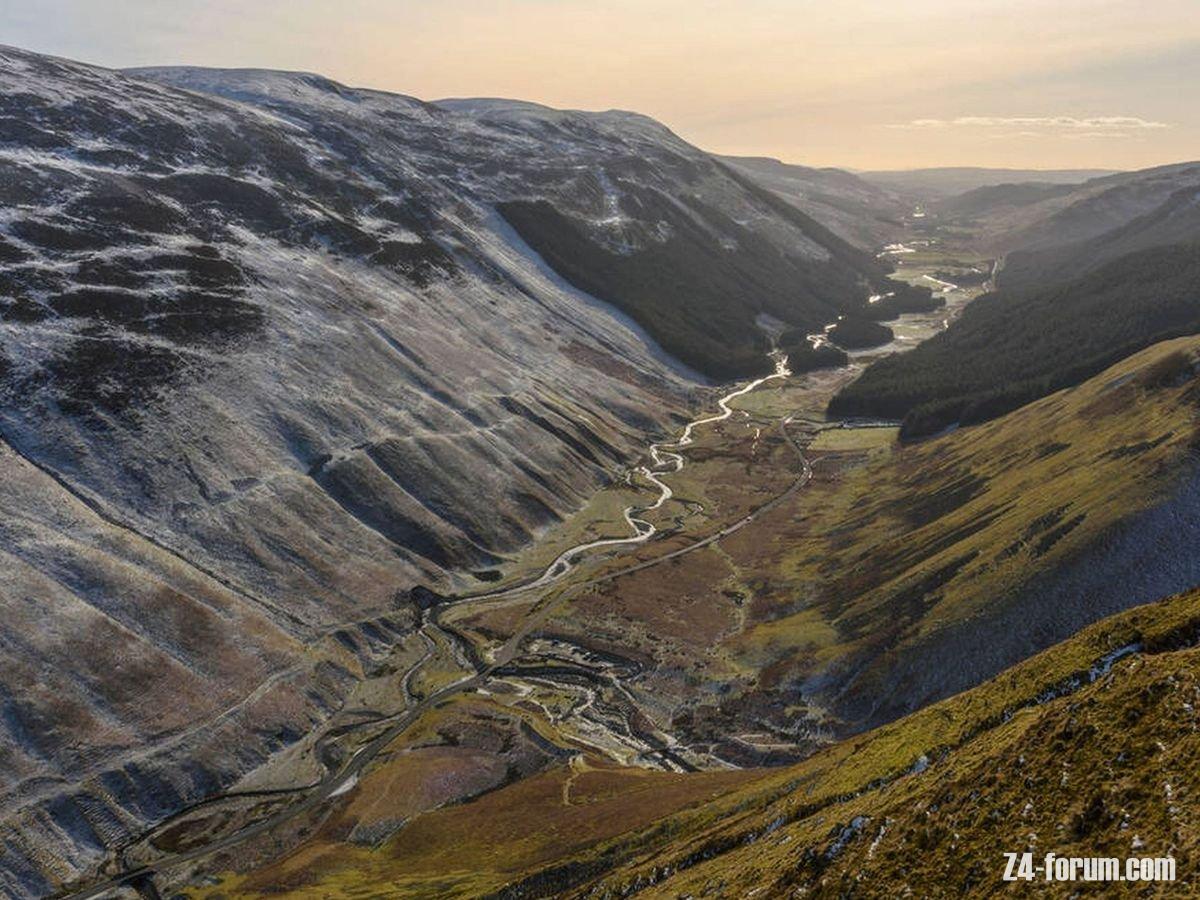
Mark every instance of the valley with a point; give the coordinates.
(752, 592)
(543, 673)
(565, 699)
(473, 498)
(552, 665)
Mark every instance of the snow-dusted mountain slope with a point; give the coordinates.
(865, 214)
(613, 201)
(269, 357)
(216, 317)
(258, 377)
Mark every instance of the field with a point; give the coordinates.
(854, 573)
(834, 439)
(872, 581)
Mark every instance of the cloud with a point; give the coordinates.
(1092, 125)
(1013, 135)
(1092, 135)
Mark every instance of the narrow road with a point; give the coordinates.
(946, 285)
(665, 463)
(332, 785)
(336, 783)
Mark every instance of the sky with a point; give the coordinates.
(853, 83)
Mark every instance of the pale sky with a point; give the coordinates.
(852, 83)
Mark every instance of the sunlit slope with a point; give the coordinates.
(1089, 748)
(929, 567)
(476, 849)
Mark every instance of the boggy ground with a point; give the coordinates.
(1086, 749)
(609, 689)
(904, 573)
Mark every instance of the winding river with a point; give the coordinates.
(665, 462)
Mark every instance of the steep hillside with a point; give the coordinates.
(268, 359)
(862, 213)
(1016, 216)
(1177, 221)
(698, 279)
(1088, 749)
(930, 185)
(1013, 346)
(998, 199)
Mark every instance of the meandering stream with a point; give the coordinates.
(665, 462)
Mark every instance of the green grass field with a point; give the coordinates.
(855, 439)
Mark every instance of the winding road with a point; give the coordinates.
(665, 462)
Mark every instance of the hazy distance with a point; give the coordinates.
(1017, 83)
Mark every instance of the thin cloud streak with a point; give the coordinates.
(1091, 123)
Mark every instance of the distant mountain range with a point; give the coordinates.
(1176, 221)
(928, 185)
(1019, 216)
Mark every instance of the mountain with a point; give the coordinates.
(994, 199)
(1022, 216)
(954, 625)
(258, 378)
(1177, 221)
(614, 203)
(695, 260)
(904, 573)
(1014, 346)
(857, 210)
(273, 353)
(928, 185)
(1087, 750)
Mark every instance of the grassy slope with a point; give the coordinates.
(617, 825)
(926, 537)
(1085, 773)
(1063, 752)
(473, 849)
